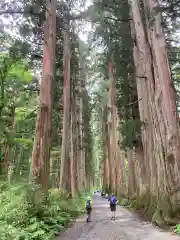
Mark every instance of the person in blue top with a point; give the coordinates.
(113, 202)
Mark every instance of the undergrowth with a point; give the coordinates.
(25, 218)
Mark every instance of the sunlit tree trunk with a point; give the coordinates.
(41, 149)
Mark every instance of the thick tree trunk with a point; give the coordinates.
(83, 180)
(104, 175)
(161, 132)
(145, 80)
(131, 174)
(112, 96)
(166, 99)
(120, 161)
(66, 108)
(73, 158)
(41, 149)
(107, 152)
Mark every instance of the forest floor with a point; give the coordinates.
(127, 226)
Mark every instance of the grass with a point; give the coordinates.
(24, 216)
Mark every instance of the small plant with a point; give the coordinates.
(177, 230)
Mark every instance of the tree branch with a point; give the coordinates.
(18, 11)
(132, 103)
(143, 77)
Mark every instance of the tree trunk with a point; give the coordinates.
(112, 95)
(104, 174)
(166, 99)
(83, 180)
(66, 107)
(73, 161)
(131, 174)
(161, 133)
(41, 149)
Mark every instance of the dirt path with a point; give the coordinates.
(127, 226)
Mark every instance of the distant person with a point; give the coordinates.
(113, 202)
(88, 208)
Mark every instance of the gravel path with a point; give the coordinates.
(127, 226)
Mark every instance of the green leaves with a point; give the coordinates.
(177, 230)
(20, 72)
(21, 220)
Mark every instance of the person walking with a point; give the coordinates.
(88, 208)
(113, 202)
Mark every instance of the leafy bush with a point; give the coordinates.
(20, 219)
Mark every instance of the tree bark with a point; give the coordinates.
(112, 96)
(41, 149)
(73, 160)
(160, 134)
(8, 148)
(83, 180)
(166, 97)
(66, 106)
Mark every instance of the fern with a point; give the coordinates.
(21, 220)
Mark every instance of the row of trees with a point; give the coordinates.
(139, 115)
(60, 154)
(132, 131)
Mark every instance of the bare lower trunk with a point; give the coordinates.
(131, 174)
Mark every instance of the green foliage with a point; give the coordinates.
(177, 230)
(130, 131)
(21, 219)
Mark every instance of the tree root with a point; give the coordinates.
(157, 218)
(170, 221)
(163, 215)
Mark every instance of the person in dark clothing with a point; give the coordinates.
(88, 208)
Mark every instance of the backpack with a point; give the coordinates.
(113, 200)
(88, 203)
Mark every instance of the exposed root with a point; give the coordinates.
(157, 218)
(170, 221)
